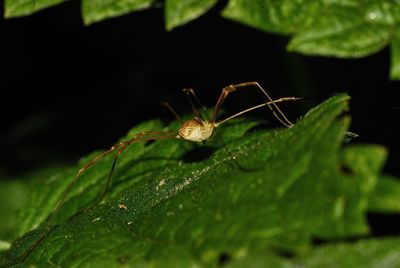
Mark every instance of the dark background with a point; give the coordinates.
(67, 89)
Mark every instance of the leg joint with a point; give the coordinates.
(228, 89)
(188, 91)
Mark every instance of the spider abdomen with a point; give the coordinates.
(194, 130)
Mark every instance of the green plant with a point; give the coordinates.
(260, 193)
(337, 28)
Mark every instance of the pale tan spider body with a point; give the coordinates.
(196, 130)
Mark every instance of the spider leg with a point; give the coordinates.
(46, 229)
(270, 103)
(284, 99)
(142, 136)
(191, 94)
(169, 107)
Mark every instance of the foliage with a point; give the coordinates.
(259, 193)
(17, 8)
(97, 10)
(366, 253)
(338, 28)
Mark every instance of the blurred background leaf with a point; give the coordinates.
(17, 8)
(364, 253)
(180, 12)
(97, 10)
(386, 197)
(341, 28)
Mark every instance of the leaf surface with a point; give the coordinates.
(180, 12)
(18, 8)
(339, 28)
(98, 10)
(369, 253)
(277, 189)
(386, 198)
(284, 17)
(395, 58)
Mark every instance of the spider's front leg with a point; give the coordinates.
(269, 102)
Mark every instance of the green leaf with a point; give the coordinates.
(277, 189)
(273, 16)
(395, 58)
(386, 198)
(179, 12)
(18, 8)
(20, 189)
(97, 10)
(10, 206)
(344, 29)
(363, 254)
(339, 28)
(14, 197)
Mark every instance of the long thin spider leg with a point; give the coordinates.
(284, 120)
(122, 145)
(108, 183)
(144, 136)
(169, 107)
(272, 106)
(46, 229)
(74, 181)
(191, 94)
(190, 91)
(284, 99)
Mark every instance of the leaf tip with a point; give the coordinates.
(8, 10)
(9, 13)
(290, 47)
(88, 21)
(169, 25)
(394, 73)
(370, 156)
(88, 17)
(341, 98)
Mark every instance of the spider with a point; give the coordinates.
(197, 129)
